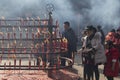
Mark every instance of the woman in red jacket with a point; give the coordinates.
(111, 67)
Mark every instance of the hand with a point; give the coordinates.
(87, 50)
(79, 51)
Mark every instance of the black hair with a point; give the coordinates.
(67, 23)
(99, 27)
(113, 30)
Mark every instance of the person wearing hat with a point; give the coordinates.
(87, 60)
(95, 50)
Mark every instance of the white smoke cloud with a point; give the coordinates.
(64, 12)
(17, 8)
(105, 12)
(32, 8)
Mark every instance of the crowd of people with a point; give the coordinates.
(97, 49)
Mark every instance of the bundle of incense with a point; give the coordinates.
(4, 67)
(32, 35)
(9, 65)
(58, 61)
(27, 35)
(20, 35)
(8, 35)
(20, 63)
(14, 62)
(29, 64)
(14, 34)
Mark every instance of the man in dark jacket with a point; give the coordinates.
(69, 34)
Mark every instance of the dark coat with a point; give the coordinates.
(72, 39)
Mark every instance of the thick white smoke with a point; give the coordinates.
(105, 12)
(32, 8)
(78, 12)
(8, 8)
(21, 8)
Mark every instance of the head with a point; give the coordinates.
(90, 30)
(113, 30)
(66, 25)
(99, 27)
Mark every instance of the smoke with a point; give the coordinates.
(99, 12)
(13, 8)
(79, 12)
(105, 12)
(21, 8)
(63, 9)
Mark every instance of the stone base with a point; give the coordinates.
(63, 75)
(23, 75)
(38, 75)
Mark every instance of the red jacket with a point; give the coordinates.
(113, 54)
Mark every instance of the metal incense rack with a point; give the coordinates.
(31, 44)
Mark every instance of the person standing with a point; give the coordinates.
(87, 54)
(99, 57)
(111, 68)
(95, 51)
(70, 35)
